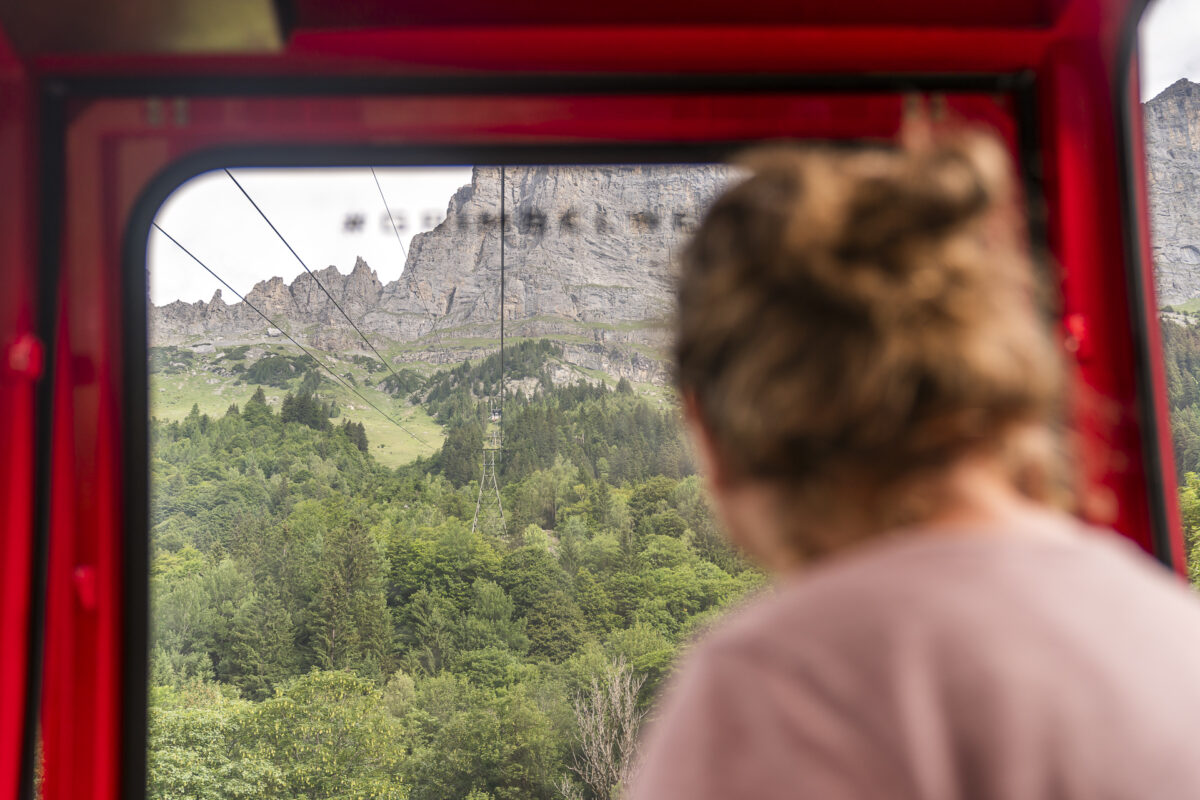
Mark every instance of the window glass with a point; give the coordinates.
(1170, 72)
(393, 553)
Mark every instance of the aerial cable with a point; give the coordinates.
(403, 250)
(336, 304)
(276, 326)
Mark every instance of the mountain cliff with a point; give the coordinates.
(1172, 125)
(587, 253)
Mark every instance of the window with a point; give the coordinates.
(1171, 101)
(421, 502)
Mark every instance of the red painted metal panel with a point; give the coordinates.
(543, 119)
(1088, 237)
(670, 50)
(1079, 198)
(20, 367)
(387, 14)
(83, 659)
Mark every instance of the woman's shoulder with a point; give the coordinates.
(1064, 651)
(1049, 571)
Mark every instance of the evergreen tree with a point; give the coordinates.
(348, 618)
(257, 411)
(288, 411)
(264, 644)
(461, 453)
(305, 408)
(427, 627)
(360, 437)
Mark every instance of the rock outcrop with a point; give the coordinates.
(588, 251)
(1172, 125)
(300, 305)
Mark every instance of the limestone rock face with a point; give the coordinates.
(589, 244)
(1172, 125)
(587, 251)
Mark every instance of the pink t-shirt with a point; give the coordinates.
(980, 666)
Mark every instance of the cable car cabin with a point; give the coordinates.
(107, 109)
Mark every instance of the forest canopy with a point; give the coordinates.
(324, 626)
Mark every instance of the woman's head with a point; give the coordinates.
(854, 323)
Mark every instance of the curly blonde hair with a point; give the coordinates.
(869, 316)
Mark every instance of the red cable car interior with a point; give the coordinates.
(104, 112)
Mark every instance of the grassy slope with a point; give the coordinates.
(172, 397)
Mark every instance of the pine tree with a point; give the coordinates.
(333, 634)
(316, 413)
(357, 434)
(257, 411)
(264, 644)
(288, 412)
(348, 618)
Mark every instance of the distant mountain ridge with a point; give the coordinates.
(588, 252)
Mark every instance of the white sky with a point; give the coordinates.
(210, 217)
(1169, 44)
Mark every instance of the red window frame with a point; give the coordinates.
(104, 141)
